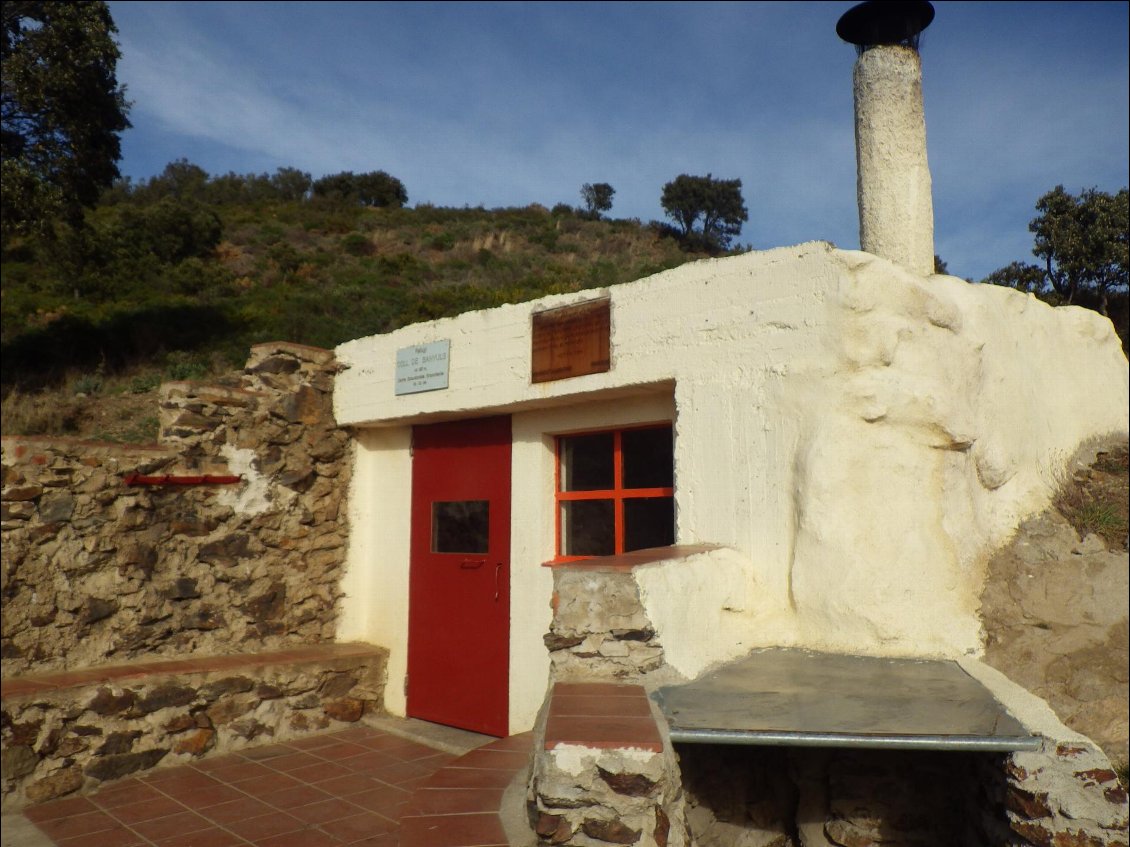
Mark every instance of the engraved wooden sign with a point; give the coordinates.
(571, 341)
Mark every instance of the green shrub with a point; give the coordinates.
(88, 384)
(356, 244)
(180, 364)
(144, 382)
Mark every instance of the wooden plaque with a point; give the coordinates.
(571, 341)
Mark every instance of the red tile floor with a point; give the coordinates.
(360, 786)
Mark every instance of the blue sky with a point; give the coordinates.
(506, 104)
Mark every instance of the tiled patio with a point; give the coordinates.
(360, 786)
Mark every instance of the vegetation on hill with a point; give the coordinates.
(177, 276)
(110, 287)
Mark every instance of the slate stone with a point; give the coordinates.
(269, 605)
(275, 365)
(56, 509)
(303, 406)
(337, 685)
(346, 709)
(613, 832)
(96, 609)
(554, 642)
(297, 479)
(628, 784)
(203, 619)
(22, 733)
(183, 588)
(105, 702)
(58, 784)
(268, 692)
(118, 742)
(164, 696)
(225, 551)
(197, 743)
(553, 828)
(22, 492)
(115, 767)
(17, 760)
(227, 685)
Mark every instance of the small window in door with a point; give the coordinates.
(460, 526)
(615, 491)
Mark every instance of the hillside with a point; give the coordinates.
(1054, 603)
(179, 287)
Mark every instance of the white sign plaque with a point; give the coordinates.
(422, 367)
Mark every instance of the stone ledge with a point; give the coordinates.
(597, 717)
(306, 352)
(637, 558)
(14, 442)
(32, 684)
(70, 732)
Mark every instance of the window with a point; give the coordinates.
(615, 492)
(461, 526)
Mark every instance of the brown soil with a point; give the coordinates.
(1055, 604)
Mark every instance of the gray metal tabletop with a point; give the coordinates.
(787, 697)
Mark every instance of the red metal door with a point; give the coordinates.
(459, 585)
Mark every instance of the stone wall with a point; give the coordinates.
(604, 770)
(600, 629)
(1064, 795)
(96, 571)
(96, 726)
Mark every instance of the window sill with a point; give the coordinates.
(637, 558)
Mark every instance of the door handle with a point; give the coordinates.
(497, 573)
(468, 564)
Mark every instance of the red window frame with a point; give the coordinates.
(617, 494)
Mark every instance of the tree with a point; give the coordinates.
(1083, 242)
(61, 110)
(375, 188)
(1018, 275)
(291, 184)
(378, 188)
(717, 201)
(181, 180)
(598, 198)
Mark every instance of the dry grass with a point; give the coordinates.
(121, 409)
(1095, 499)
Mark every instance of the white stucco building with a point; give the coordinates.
(841, 437)
(851, 438)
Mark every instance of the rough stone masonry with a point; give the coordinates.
(96, 571)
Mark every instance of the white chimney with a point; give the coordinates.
(896, 210)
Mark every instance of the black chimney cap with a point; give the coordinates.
(885, 22)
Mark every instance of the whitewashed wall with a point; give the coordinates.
(862, 435)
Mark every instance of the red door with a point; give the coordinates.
(459, 586)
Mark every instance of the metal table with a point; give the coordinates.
(786, 697)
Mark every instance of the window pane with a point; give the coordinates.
(648, 458)
(586, 462)
(649, 522)
(461, 526)
(588, 528)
